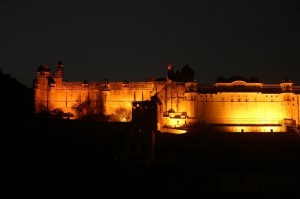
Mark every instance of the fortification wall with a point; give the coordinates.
(79, 98)
(75, 98)
(118, 99)
(262, 108)
(240, 108)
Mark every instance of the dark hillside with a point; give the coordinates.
(48, 157)
(77, 157)
(16, 99)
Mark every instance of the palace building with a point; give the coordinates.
(235, 104)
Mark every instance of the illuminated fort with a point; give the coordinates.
(235, 104)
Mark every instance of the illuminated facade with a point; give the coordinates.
(236, 104)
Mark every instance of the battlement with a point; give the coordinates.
(233, 104)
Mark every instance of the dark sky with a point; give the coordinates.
(134, 40)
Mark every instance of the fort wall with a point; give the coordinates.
(236, 105)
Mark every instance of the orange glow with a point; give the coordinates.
(251, 129)
(263, 113)
(172, 130)
(123, 120)
(175, 122)
(247, 109)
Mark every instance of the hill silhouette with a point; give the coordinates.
(16, 99)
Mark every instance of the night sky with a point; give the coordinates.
(134, 40)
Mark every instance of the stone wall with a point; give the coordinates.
(181, 104)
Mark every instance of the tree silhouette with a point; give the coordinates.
(121, 115)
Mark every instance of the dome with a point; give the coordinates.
(221, 79)
(43, 68)
(59, 63)
(237, 78)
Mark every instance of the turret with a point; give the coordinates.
(41, 84)
(43, 71)
(42, 75)
(290, 116)
(191, 98)
(58, 75)
(59, 68)
(105, 93)
(170, 71)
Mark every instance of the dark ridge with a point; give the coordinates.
(16, 99)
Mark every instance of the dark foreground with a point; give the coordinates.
(82, 159)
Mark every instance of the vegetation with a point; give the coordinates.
(121, 115)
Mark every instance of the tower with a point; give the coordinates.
(290, 118)
(191, 98)
(145, 123)
(58, 75)
(105, 93)
(41, 85)
(170, 71)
